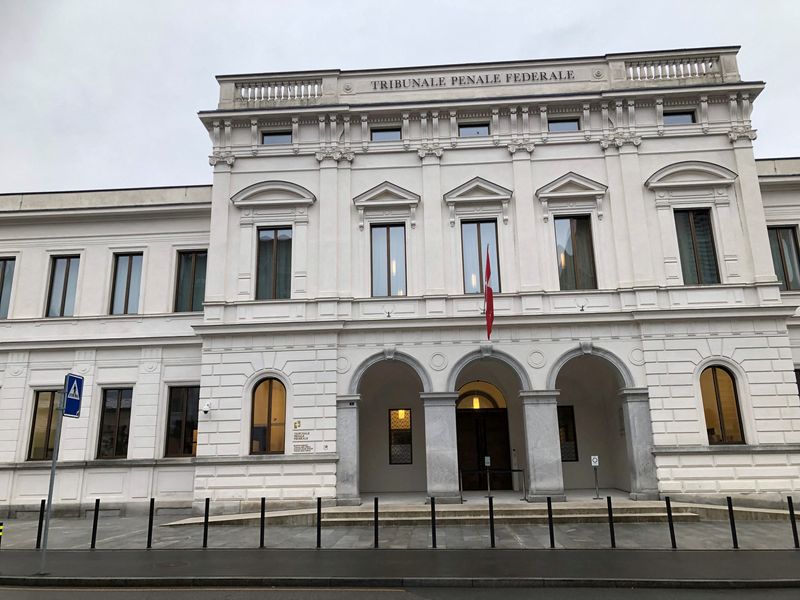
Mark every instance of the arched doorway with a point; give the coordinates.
(391, 429)
(482, 429)
(496, 427)
(592, 422)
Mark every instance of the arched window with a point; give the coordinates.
(721, 406)
(268, 422)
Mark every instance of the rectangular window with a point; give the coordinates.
(561, 125)
(575, 253)
(685, 117)
(127, 283)
(400, 436)
(476, 236)
(387, 134)
(566, 434)
(388, 260)
(115, 421)
(696, 244)
(783, 244)
(191, 281)
(271, 138)
(473, 130)
(6, 277)
(43, 431)
(274, 278)
(182, 421)
(63, 285)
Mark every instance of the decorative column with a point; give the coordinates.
(347, 490)
(328, 221)
(639, 443)
(542, 445)
(441, 445)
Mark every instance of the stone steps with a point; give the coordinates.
(450, 520)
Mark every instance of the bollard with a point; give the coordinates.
(550, 522)
(263, 521)
(41, 524)
(793, 521)
(671, 524)
(1, 533)
(375, 535)
(611, 522)
(205, 523)
(491, 520)
(150, 523)
(733, 524)
(94, 521)
(433, 522)
(319, 522)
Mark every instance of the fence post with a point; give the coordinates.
(733, 523)
(41, 523)
(263, 521)
(319, 522)
(671, 524)
(150, 523)
(2, 525)
(205, 523)
(550, 522)
(491, 520)
(433, 522)
(611, 522)
(793, 521)
(94, 521)
(375, 541)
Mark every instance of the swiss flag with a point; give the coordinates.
(488, 297)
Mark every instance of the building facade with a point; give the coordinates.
(312, 324)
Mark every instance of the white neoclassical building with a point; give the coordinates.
(311, 324)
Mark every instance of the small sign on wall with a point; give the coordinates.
(595, 461)
(302, 436)
(302, 449)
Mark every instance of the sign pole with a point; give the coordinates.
(59, 418)
(595, 465)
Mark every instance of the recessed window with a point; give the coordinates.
(721, 406)
(696, 245)
(272, 138)
(63, 285)
(182, 421)
(388, 260)
(575, 253)
(476, 238)
(473, 129)
(6, 277)
(191, 281)
(43, 431)
(566, 434)
(115, 422)
(400, 436)
(684, 117)
(385, 134)
(268, 423)
(783, 244)
(127, 282)
(274, 277)
(563, 125)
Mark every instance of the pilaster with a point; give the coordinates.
(328, 226)
(639, 443)
(434, 223)
(542, 445)
(441, 445)
(347, 484)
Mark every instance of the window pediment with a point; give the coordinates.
(386, 196)
(278, 194)
(573, 190)
(685, 182)
(477, 191)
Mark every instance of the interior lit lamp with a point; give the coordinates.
(401, 414)
(394, 268)
(474, 280)
(476, 402)
(563, 260)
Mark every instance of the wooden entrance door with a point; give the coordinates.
(483, 432)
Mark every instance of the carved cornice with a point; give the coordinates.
(430, 150)
(742, 132)
(515, 147)
(335, 153)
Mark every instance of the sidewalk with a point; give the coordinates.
(404, 568)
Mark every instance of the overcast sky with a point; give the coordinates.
(105, 93)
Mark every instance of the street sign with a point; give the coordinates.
(595, 461)
(487, 461)
(73, 391)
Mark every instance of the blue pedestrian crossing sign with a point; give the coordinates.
(73, 392)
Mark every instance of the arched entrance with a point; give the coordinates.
(391, 429)
(489, 423)
(592, 422)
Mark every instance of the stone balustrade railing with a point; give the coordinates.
(270, 92)
(681, 67)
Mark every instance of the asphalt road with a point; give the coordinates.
(392, 594)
